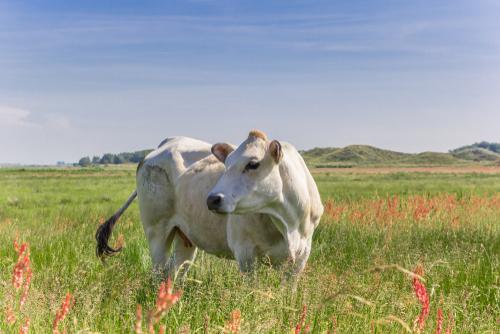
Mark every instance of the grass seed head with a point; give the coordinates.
(451, 323)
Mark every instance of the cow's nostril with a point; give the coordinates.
(214, 201)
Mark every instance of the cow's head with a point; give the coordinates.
(251, 180)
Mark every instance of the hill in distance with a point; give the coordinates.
(482, 151)
(365, 155)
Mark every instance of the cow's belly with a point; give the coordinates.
(206, 231)
(210, 242)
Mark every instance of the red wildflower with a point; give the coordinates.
(166, 298)
(439, 321)
(423, 298)
(10, 315)
(302, 321)
(25, 327)
(21, 277)
(61, 313)
(26, 286)
(18, 274)
(22, 265)
(234, 323)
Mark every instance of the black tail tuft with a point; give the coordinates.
(102, 237)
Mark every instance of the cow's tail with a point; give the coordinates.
(104, 231)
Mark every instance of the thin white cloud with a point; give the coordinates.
(19, 118)
(14, 117)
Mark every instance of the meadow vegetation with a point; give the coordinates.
(378, 230)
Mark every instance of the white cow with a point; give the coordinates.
(255, 202)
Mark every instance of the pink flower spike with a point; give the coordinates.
(10, 315)
(300, 324)
(233, 326)
(22, 265)
(61, 313)
(422, 297)
(25, 327)
(26, 286)
(166, 298)
(439, 321)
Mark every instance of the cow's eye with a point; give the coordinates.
(252, 165)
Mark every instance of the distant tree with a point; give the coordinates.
(84, 162)
(494, 147)
(125, 157)
(118, 159)
(484, 144)
(138, 156)
(107, 158)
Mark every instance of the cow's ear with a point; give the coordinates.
(221, 151)
(276, 151)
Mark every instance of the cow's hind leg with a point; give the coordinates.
(160, 241)
(156, 204)
(183, 254)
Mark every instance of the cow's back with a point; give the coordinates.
(175, 150)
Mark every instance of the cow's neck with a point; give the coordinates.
(290, 212)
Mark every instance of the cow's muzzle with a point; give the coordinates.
(215, 201)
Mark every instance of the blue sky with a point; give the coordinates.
(88, 77)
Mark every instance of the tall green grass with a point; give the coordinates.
(58, 211)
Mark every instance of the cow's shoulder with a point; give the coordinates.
(208, 165)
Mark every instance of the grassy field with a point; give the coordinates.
(446, 223)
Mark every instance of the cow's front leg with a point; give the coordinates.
(245, 255)
(299, 260)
